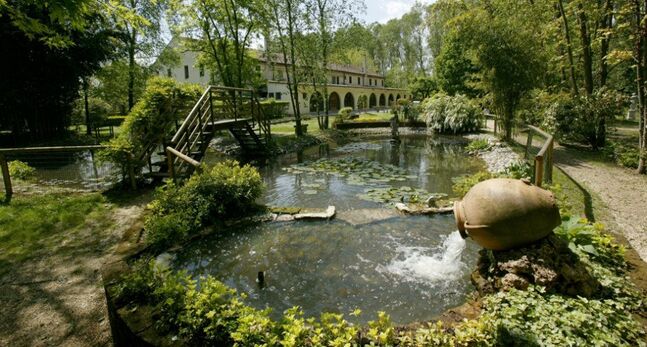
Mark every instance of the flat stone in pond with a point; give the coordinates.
(327, 214)
(366, 215)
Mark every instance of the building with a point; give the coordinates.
(348, 86)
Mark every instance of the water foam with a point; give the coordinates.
(421, 264)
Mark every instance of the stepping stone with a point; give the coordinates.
(366, 215)
(327, 214)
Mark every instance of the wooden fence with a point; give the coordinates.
(5, 152)
(543, 160)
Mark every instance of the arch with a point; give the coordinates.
(349, 100)
(397, 97)
(316, 102)
(390, 99)
(362, 102)
(333, 102)
(372, 101)
(382, 100)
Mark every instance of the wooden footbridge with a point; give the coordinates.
(235, 110)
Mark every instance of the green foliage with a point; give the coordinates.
(454, 70)
(533, 318)
(112, 84)
(21, 170)
(478, 145)
(226, 190)
(273, 109)
(583, 119)
(624, 155)
(343, 115)
(591, 239)
(451, 114)
(463, 184)
(98, 109)
(423, 87)
(519, 169)
(162, 104)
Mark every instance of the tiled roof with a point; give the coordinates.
(277, 58)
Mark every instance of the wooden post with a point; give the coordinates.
(529, 143)
(539, 170)
(171, 167)
(549, 163)
(7, 179)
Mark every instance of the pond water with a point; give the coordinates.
(413, 268)
(79, 170)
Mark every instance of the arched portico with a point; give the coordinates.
(333, 102)
(382, 100)
(349, 100)
(372, 101)
(316, 102)
(390, 100)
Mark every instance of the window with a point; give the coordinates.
(277, 96)
(201, 71)
(270, 95)
(370, 81)
(344, 79)
(186, 72)
(358, 82)
(337, 79)
(382, 83)
(168, 72)
(332, 80)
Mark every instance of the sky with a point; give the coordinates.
(383, 10)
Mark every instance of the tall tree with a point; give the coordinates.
(222, 31)
(140, 21)
(286, 19)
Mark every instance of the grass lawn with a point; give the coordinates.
(374, 117)
(288, 127)
(33, 225)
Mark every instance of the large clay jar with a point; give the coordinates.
(501, 213)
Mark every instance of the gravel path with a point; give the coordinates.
(622, 190)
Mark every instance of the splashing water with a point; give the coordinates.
(430, 265)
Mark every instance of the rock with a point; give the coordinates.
(327, 214)
(284, 218)
(366, 216)
(548, 263)
(404, 208)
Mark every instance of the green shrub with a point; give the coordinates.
(583, 119)
(343, 115)
(624, 155)
(451, 114)
(226, 190)
(151, 120)
(463, 184)
(21, 170)
(519, 169)
(273, 109)
(478, 145)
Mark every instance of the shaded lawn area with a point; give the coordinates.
(33, 225)
(313, 125)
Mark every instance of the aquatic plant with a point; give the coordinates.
(478, 145)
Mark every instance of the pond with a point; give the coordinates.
(368, 258)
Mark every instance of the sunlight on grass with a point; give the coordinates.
(35, 224)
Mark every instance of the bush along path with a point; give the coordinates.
(213, 314)
(52, 245)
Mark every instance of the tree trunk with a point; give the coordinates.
(641, 58)
(569, 48)
(88, 125)
(606, 23)
(587, 59)
(131, 69)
